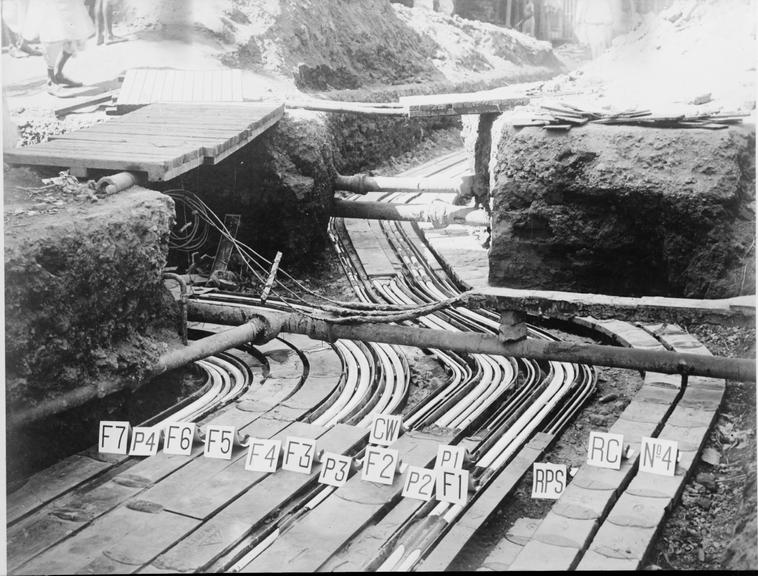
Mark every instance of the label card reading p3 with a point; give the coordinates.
(452, 485)
(178, 437)
(262, 455)
(658, 456)
(385, 429)
(145, 440)
(114, 437)
(335, 469)
(219, 441)
(605, 450)
(379, 465)
(299, 454)
(419, 483)
(548, 480)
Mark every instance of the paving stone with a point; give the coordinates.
(567, 532)
(688, 438)
(522, 530)
(705, 383)
(653, 393)
(637, 511)
(686, 459)
(655, 485)
(542, 556)
(648, 412)
(690, 416)
(594, 478)
(670, 381)
(502, 555)
(633, 431)
(594, 561)
(622, 541)
(582, 503)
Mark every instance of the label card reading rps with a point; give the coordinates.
(658, 456)
(548, 480)
(450, 457)
(452, 485)
(419, 483)
(114, 437)
(145, 440)
(379, 465)
(262, 455)
(335, 469)
(219, 441)
(299, 454)
(605, 450)
(385, 429)
(177, 438)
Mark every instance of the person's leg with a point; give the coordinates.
(101, 26)
(108, 18)
(58, 77)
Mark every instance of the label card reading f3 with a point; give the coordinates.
(605, 450)
(114, 437)
(262, 455)
(177, 438)
(548, 480)
(452, 485)
(219, 441)
(658, 456)
(419, 483)
(299, 454)
(385, 429)
(145, 440)
(450, 457)
(335, 469)
(379, 465)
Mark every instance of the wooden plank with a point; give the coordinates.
(260, 126)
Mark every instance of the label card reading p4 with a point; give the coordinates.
(219, 441)
(385, 429)
(419, 483)
(379, 465)
(114, 437)
(658, 456)
(299, 454)
(548, 480)
(262, 455)
(452, 485)
(177, 438)
(335, 469)
(145, 440)
(605, 450)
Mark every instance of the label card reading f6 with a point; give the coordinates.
(379, 465)
(385, 429)
(262, 455)
(177, 438)
(548, 480)
(299, 454)
(114, 437)
(452, 485)
(605, 450)
(419, 483)
(335, 469)
(145, 440)
(450, 457)
(219, 441)
(658, 456)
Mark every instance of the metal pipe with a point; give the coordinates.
(441, 214)
(118, 182)
(363, 183)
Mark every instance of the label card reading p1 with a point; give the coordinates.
(219, 441)
(605, 450)
(419, 483)
(452, 486)
(262, 455)
(335, 469)
(548, 480)
(450, 457)
(385, 429)
(177, 438)
(379, 465)
(145, 440)
(658, 456)
(299, 454)
(114, 437)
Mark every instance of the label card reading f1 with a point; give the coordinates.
(299, 454)
(262, 455)
(658, 456)
(450, 457)
(605, 450)
(145, 440)
(452, 486)
(177, 438)
(219, 441)
(419, 483)
(548, 480)
(335, 469)
(385, 429)
(114, 437)
(379, 464)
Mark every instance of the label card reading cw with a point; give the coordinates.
(219, 441)
(114, 437)
(299, 454)
(145, 440)
(335, 469)
(452, 486)
(385, 429)
(450, 457)
(658, 456)
(379, 464)
(262, 455)
(605, 450)
(419, 483)
(548, 480)
(178, 437)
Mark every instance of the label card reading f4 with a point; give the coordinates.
(145, 440)
(548, 480)
(219, 441)
(262, 455)
(177, 438)
(452, 485)
(605, 450)
(299, 454)
(385, 429)
(419, 483)
(335, 469)
(379, 465)
(114, 437)
(658, 456)
(450, 457)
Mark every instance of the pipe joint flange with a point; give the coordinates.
(270, 330)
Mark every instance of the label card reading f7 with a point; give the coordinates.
(385, 429)
(299, 454)
(658, 456)
(605, 450)
(145, 440)
(379, 465)
(452, 485)
(335, 469)
(262, 455)
(177, 438)
(114, 437)
(219, 441)
(450, 457)
(419, 483)
(548, 480)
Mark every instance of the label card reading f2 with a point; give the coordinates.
(262, 455)
(219, 441)
(419, 483)
(548, 480)
(658, 456)
(178, 437)
(452, 485)
(379, 465)
(145, 440)
(605, 450)
(335, 469)
(114, 437)
(299, 454)
(450, 457)
(385, 429)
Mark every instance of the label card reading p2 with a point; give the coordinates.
(385, 429)
(299, 454)
(219, 441)
(605, 450)
(452, 485)
(262, 455)
(450, 457)
(145, 440)
(379, 465)
(114, 437)
(548, 480)
(177, 438)
(419, 483)
(335, 469)
(658, 456)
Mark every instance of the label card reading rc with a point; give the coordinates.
(335, 469)
(548, 480)
(299, 454)
(177, 438)
(605, 450)
(385, 429)
(145, 440)
(219, 441)
(452, 486)
(419, 483)
(658, 456)
(114, 437)
(379, 464)
(262, 455)
(450, 457)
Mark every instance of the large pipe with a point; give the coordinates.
(439, 213)
(363, 183)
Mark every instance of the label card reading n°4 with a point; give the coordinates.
(548, 480)
(114, 437)
(262, 455)
(379, 465)
(658, 456)
(452, 485)
(177, 438)
(299, 454)
(385, 429)
(335, 469)
(450, 457)
(419, 483)
(219, 441)
(605, 450)
(145, 440)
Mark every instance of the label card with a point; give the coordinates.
(299, 454)
(658, 456)
(219, 441)
(177, 438)
(548, 480)
(379, 465)
(385, 429)
(450, 457)
(419, 483)
(335, 469)
(262, 455)
(605, 450)
(145, 441)
(114, 437)
(452, 486)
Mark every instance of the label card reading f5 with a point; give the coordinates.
(114, 437)
(145, 440)
(605, 450)
(658, 456)
(548, 480)
(452, 485)
(177, 438)
(419, 483)
(262, 455)
(219, 441)
(379, 465)
(385, 429)
(335, 469)
(450, 457)
(299, 454)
